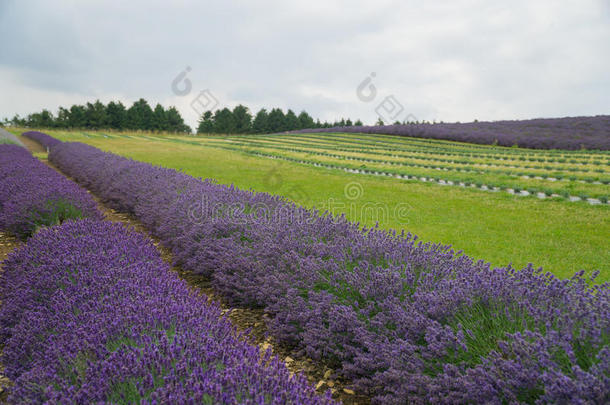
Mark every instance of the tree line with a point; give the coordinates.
(97, 115)
(241, 121)
(140, 116)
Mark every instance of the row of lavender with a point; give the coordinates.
(45, 140)
(571, 133)
(91, 314)
(405, 321)
(33, 195)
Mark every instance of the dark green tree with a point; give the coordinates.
(175, 122)
(95, 115)
(242, 119)
(139, 116)
(276, 121)
(77, 117)
(159, 119)
(63, 118)
(305, 120)
(291, 121)
(260, 125)
(206, 123)
(224, 122)
(116, 115)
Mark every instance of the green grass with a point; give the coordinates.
(562, 237)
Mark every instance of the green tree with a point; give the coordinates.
(224, 122)
(175, 122)
(276, 121)
(305, 120)
(159, 119)
(116, 115)
(206, 123)
(43, 119)
(77, 117)
(63, 118)
(17, 121)
(260, 125)
(242, 119)
(95, 115)
(139, 116)
(291, 121)
(358, 123)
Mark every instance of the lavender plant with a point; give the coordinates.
(45, 140)
(406, 321)
(33, 195)
(91, 314)
(570, 133)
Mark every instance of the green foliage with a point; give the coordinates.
(53, 212)
(96, 115)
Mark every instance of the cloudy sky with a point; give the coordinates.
(438, 60)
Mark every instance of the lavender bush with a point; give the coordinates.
(34, 195)
(45, 140)
(91, 313)
(557, 133)
(406, 321)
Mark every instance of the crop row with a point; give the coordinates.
(434, 152)
(406, 321)
(491, 152)
(463, 166)
(91, 314)
(512, 186)
(529, 184)
(595, 195)
(45, 140)
(562, 133)
(33, 195)
(449, 150)
(423, 155)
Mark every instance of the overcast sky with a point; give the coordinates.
(452, 60)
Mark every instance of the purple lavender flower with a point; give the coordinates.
(33, 195)
(44, 139)
(570, 133)
(406, 321)
(91, 313)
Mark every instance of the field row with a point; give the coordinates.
(401, 319)
(380, 142)
(351, 150)
(570, 133)
(593, 192)
(562, 237)
(91, 314)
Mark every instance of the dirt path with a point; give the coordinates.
(32, 146)
(244, 319)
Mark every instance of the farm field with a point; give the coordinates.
(387, 318)
(561, 235)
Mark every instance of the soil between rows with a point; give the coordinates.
(251, 322)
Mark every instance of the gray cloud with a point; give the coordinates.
(448, 61)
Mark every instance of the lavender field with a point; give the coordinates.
(399, 318)
(571, 133)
